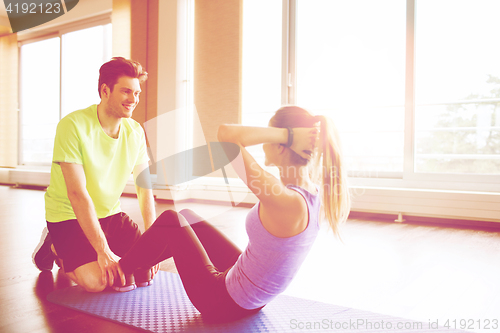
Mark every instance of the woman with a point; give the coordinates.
(222, 282)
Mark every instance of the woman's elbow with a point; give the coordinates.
(222, 133)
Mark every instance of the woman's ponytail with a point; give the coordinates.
(335, 192)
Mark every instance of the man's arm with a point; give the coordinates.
(84, 209)
(146, 200)
(145, 195)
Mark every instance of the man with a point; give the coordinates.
(95, 151)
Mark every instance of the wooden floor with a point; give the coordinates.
(423, 273)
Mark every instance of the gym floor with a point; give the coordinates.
(420, 272)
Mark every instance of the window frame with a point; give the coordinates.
(408, 178)
(25, 38)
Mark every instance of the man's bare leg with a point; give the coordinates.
(87, 276)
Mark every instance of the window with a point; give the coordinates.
(84, 51)
(40, 87)
(262, 61)
(457, 90)
(413, 86)
(351, 66)
(58, 75)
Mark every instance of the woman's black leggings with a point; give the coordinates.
(202, 255)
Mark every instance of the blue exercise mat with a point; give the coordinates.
(165, 307)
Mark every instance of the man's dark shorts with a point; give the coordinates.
(73, 247)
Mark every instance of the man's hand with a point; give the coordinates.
(110, 268)
(304, 141)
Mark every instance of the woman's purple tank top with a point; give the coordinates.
(269, 263)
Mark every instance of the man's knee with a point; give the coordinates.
(93, 284)
(89, 277)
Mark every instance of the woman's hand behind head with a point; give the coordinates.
(305, 141)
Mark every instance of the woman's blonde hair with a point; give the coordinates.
(327, 166)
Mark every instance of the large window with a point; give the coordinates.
(262, 69)
(457, 90)
(413, 86)
(40, 101)
(351, 66)
(59, 75)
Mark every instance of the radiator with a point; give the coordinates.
(484, 206)
(29, 177)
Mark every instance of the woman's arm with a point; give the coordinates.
(303, 137)
(249, 136)
(276, 199)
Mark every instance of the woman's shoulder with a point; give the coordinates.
(289, 222)
(311, 191)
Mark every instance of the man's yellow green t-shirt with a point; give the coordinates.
(107, 162)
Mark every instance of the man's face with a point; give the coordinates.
(124, 98)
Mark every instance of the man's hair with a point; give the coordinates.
(117, 67)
